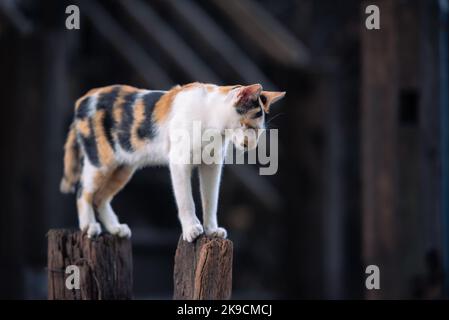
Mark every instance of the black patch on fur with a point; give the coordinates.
(90, 145)
(106, 102)
(79, 189)
(124, 131)
(108, 126)
(83, 109)
(263, 99)
(247, 106)
(146, 130)
(76, 151)
(258, 114)
(241, 111)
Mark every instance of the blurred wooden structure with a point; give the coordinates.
(203, 269)
(401, 175)
(105, 266)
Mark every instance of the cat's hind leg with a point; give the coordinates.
(86, 190)
(111, 184)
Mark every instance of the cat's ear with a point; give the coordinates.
(270, 97)
(247, 93)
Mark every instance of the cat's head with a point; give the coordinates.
(251, 104)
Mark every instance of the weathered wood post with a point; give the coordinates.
(104, 264)
(203, 269)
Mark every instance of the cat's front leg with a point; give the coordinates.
(209, 186)
(182, 187)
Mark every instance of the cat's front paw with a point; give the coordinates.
(217, 232)
(92, 230)
(192, 232)
(121, 230)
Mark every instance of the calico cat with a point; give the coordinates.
(118, 129)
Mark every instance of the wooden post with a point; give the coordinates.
(105, 266)
(203, 269)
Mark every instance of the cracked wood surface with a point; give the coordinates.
(203, 269)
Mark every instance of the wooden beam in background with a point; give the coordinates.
(130, 49)
(264, 31)
(12, 12)
(213, 36)
(173, 45)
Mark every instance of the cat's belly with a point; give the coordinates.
(152, 153)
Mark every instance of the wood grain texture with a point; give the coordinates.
(203, 269)
(105, 265)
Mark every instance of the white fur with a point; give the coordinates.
(215, 111)
(86, 213)
(111, 222)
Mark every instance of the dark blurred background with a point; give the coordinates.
(363, 130)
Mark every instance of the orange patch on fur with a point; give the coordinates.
(107, 89)
(111, 183)
(87, 196)
(99, 182)
(249, 123)
(117, 115)
(227, 89)
(82, 126)
(163, 106)
(117, 110)
(99, 178)
(209, 87)
(125, 89)
(71, 160)
(139, 117)
(192, 85)
(105, 151)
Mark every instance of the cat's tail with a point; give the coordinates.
(72, 162)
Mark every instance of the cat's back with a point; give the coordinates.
(115, 118)
(115, 97)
